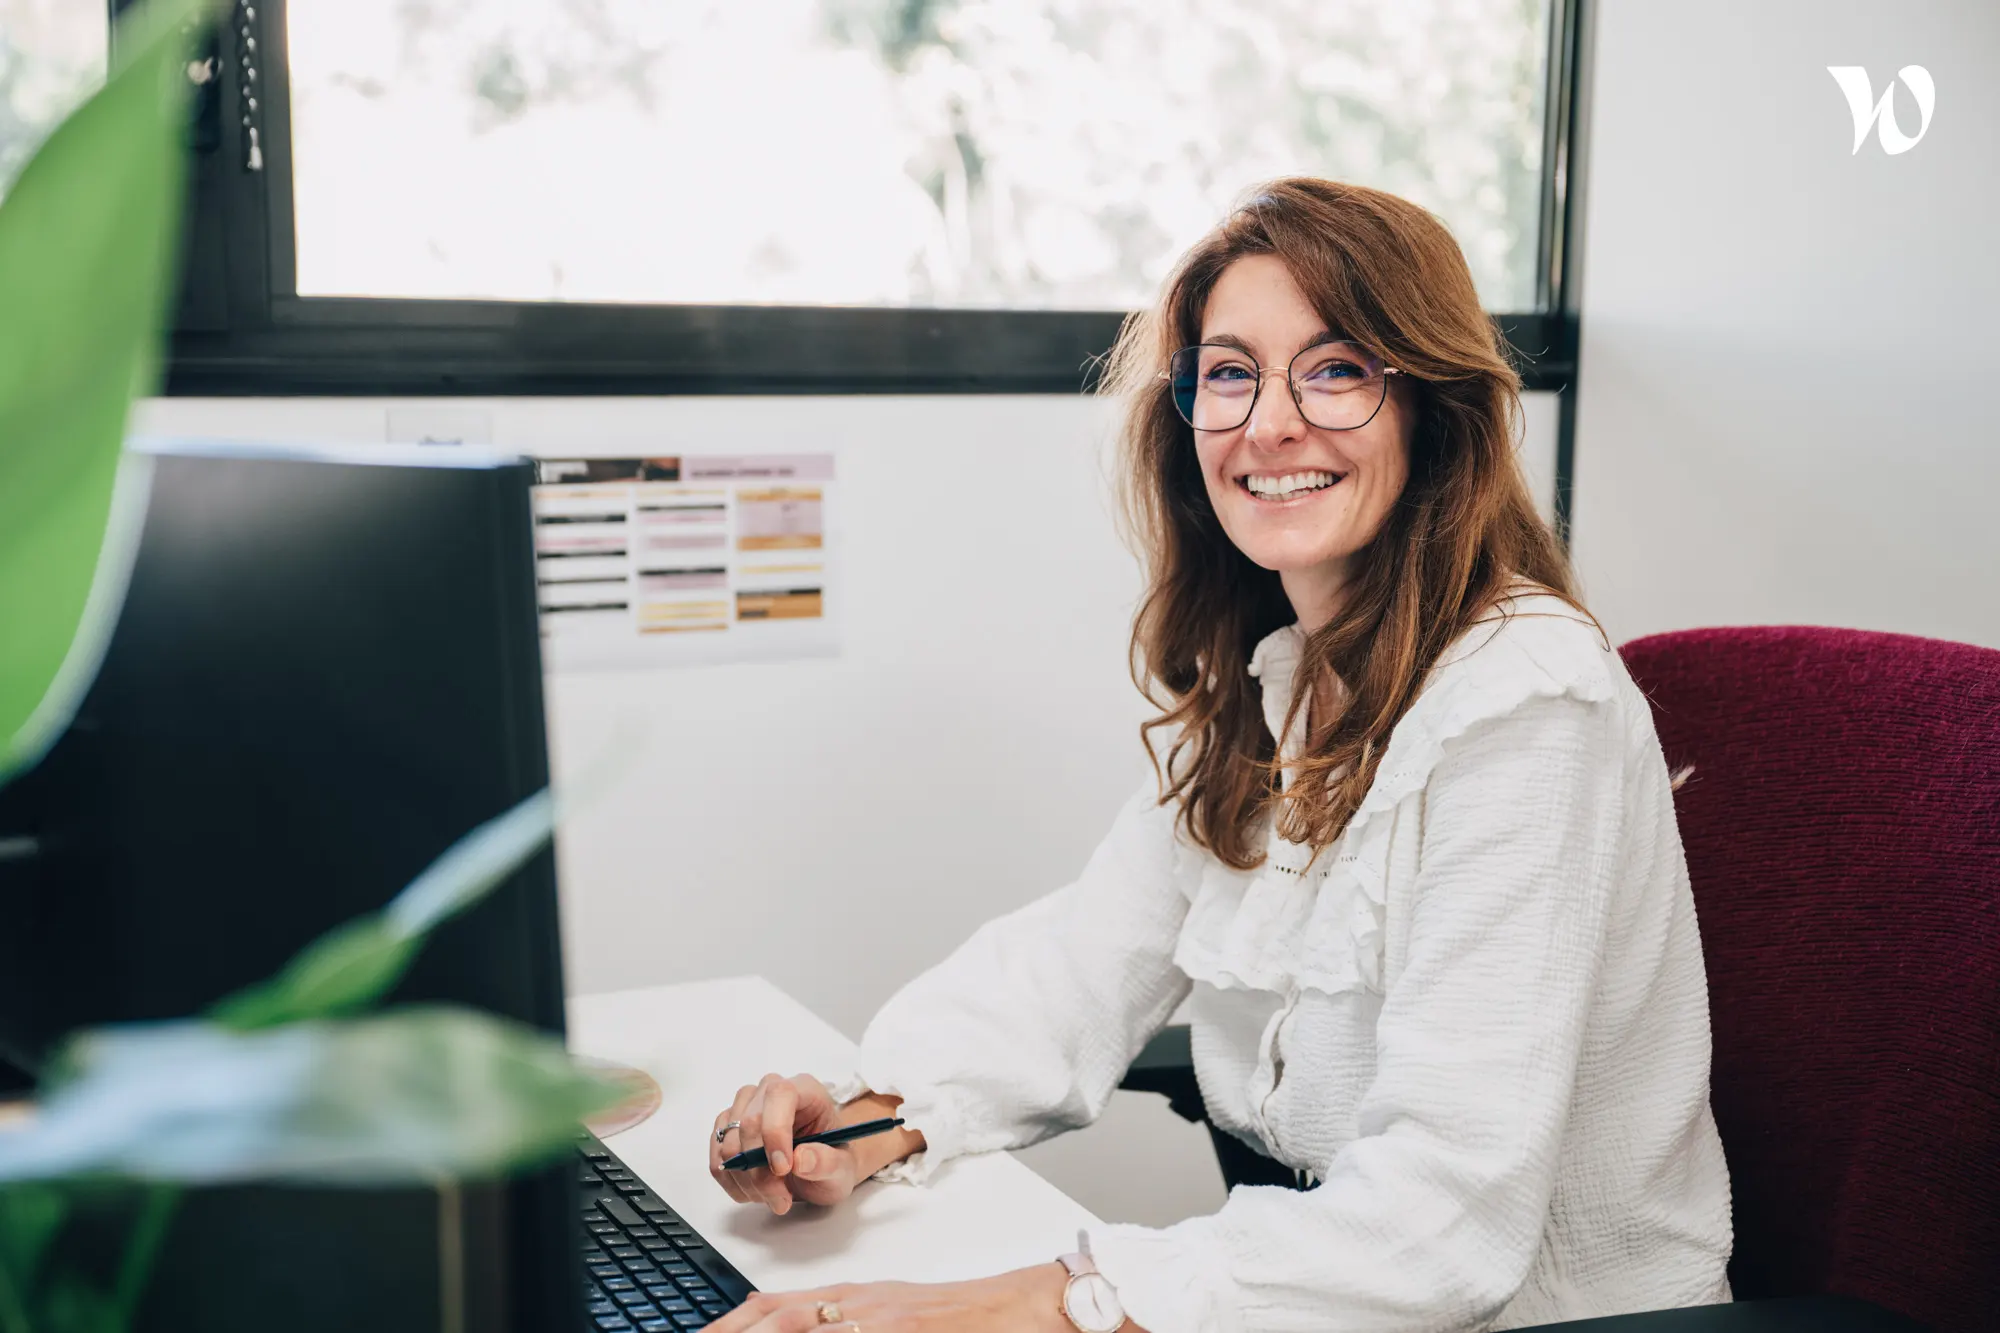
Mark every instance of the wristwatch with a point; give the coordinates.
(1090, 1301)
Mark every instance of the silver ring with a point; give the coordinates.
(723, 1133)
(829, 1313)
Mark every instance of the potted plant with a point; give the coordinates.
(304, 1078)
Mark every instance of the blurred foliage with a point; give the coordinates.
(356, 965)
(415, 1094)
(275, 1086)
(88, 243)
(283, 1082)
(51, 57)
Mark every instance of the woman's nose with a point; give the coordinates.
(1274, 417)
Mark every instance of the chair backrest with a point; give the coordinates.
(1842, 826)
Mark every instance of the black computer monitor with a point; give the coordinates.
(327, 669)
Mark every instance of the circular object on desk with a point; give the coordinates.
(642, 1099)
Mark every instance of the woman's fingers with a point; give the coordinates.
(795, 1319)
(815, 1163)
(781, 1106)
(766, 1313)
(764, 1187)
(728, 1145)
(771, 1115)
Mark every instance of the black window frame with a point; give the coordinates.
(243, 330)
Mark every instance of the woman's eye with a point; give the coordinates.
(1336, 370)
(1227, 373)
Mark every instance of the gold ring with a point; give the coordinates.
(829, 1313)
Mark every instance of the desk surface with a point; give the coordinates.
(703, 1040)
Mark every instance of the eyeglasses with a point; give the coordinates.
(1336, 385)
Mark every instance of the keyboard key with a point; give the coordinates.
(601, 1307)
(660, 1325)
(658, 1244)
(689, 1320)
(619, 1284)
(631, 1298)
(714, 1309)
(652, 1203)
(624, 1252)
(629, 1186)
(613, 1323)
(621, 1212)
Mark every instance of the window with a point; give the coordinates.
(509, 197)
(51, 58)
(987, 154)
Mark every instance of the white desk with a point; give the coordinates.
(702, 1041)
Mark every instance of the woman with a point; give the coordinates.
(1437, 946)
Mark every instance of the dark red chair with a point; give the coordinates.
(1842, 826)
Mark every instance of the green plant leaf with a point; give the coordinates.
(74, 1304)
(31, 1213)
(342, 972)
(357, 964)
(30, 1216)
(415, 1095)
(88, 242)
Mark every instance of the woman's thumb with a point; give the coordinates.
(813, 1162)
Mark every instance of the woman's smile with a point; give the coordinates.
(1289, 488)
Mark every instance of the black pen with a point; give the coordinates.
(750, 1161)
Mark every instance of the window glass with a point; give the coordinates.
(51, 58)
(985, 153)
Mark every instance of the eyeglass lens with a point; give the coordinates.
(1337, 385)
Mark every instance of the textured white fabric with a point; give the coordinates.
(1480, 1018)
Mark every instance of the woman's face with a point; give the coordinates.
(1293, 497)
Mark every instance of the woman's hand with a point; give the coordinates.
(774, 1112)
(1028, 1300)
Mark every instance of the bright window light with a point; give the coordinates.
(51, 58)
(1044, 154)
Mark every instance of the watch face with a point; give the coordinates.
(1092, 1304)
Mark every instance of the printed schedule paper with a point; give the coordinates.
(684, 559)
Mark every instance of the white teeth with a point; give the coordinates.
(1292, 483)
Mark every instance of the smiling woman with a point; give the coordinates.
(1410, 862)
(1395, 421)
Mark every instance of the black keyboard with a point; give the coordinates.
(645, 1270)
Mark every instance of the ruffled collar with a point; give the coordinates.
(1275, 663)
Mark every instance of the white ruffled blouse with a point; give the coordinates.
(1480, 1020)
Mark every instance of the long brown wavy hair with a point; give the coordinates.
(1385, 274)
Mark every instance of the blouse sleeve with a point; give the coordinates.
(1028, 1028)
(1433, 1215)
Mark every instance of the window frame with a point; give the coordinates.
(245, 331)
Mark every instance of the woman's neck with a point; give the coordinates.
(1317, 593)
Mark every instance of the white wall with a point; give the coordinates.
(840, 824)
(1787, 406)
